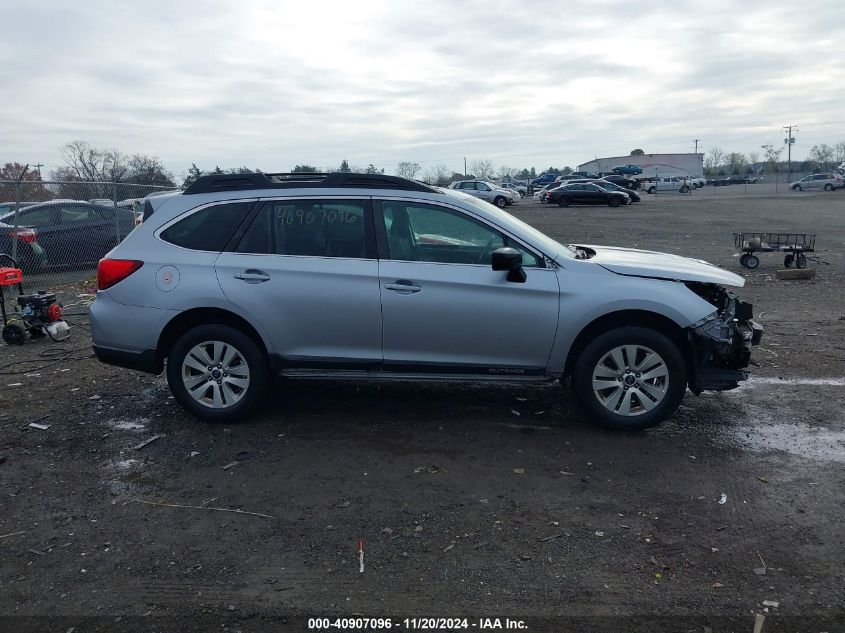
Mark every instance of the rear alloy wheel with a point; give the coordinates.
(630, 378)
(216, 372)
(652, 189)
(501, 202)
(613, 202)
(828, 187)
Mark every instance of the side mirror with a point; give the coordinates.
(509, 259)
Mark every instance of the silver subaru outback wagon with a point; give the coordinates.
(241, 277)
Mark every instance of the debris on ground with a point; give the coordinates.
(12, 534)
(231, 465)
(771, 603)
(40, 427)
(202, 507)
(723, 499)
(550, 538)
(387, 530)
(147, 442)
(515, 412)
(519, 471)
(763, 479)
(449, 546)
(796, 273)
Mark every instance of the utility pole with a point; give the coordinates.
(789, 140)
(465, 165)
(38, 166)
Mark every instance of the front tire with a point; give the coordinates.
(630, 378)
(797, 188)
(500, 202)
(216, 372)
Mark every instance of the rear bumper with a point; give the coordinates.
(141, 361)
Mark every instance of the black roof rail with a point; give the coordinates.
(243, 182)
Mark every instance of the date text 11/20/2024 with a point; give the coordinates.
(416, 624)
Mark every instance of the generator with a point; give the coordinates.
(36, 314)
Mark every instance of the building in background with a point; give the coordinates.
(652, 164)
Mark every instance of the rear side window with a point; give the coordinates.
(311, 228)
(208, 229)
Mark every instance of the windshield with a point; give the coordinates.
(538, 239)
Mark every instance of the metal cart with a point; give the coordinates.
(793, 244)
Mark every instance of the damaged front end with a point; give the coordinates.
(721, 342)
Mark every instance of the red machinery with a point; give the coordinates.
(37, 314)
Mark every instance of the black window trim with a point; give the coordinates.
(370, 249)
(384, 249)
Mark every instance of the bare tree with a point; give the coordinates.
(714, 160)
(839, 150)
(822, 154)
(506, 172)
(407, 169)
(772, 157)
(736, 161)
(88, 163)
(149, 170)
(438, 174)
(482, 168)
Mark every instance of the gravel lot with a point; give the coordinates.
(471, 500)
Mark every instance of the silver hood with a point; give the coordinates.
(631, 261)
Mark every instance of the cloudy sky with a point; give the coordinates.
(272, 84)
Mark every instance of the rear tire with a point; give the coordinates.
(613, 202)
(501, 202)
(652, 189)
(227, 383)
(828, 187)
(752, 262)
(630, 378)
(797, 188)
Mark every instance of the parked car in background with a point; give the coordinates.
(540, 195)
(622, 181)
(372, 277)
(675, 183)
(74, 232)
(28, 252)
(568, 177)
(544, 179)
(633, 196)
(487, 191)
(827, 181)
(7, 207)
(522, 190)
(585, 193)
(627, 169)
(584, 174)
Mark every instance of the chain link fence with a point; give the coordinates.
(58, 231)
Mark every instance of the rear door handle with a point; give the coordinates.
(403, 287)
(252, 276)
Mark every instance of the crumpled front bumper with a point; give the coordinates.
(721, 347)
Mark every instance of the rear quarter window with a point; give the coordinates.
(208, 229)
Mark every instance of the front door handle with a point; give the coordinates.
(403, 287)
(252, 276)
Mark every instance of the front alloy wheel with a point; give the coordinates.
(630, 380)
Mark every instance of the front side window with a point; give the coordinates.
(313, 228)
(482, 187)
(208, 229)
(420, 232)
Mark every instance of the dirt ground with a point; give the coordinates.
(472, 501)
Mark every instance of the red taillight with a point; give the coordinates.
(112, 271)
(25, 235)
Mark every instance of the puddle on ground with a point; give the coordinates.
(797, 439)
